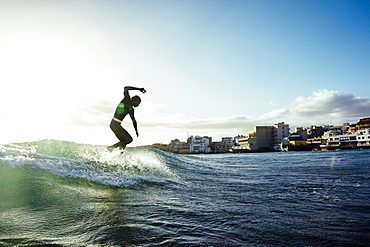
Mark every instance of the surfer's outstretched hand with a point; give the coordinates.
(142, 90)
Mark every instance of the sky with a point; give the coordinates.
(211, 67)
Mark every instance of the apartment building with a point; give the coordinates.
(281, 132)
(349, 137)
(265, 137)
(363, 137)
(196, 144)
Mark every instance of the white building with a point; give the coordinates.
(333, 139)
(363, 137)
(229, 142)
(199, 144)
(281, 133)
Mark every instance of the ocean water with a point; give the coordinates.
(57, 193)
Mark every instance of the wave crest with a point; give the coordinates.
(91, 162)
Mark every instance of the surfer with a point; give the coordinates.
(126, 106)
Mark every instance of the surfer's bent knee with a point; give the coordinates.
(129, 139)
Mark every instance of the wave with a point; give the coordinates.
(90, 162)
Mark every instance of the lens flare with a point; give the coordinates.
(335, 160)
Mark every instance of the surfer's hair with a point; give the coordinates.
(136, 98)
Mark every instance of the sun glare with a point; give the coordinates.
(37, 60)
(45, 78)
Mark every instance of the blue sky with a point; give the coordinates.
(212, 68)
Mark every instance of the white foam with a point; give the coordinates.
(94, 163)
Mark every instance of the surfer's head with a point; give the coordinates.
(136, 101)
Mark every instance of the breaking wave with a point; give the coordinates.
(91, 162)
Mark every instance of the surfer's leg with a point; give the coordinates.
(118, 131)
(124, 137)
(128, 138)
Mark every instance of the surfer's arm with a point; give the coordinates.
(135, 126)
(134, 123)
(128, 88)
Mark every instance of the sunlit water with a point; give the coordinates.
(55, 193)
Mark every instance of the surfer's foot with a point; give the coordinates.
(110, 148)
(122, 146)
(119, 145)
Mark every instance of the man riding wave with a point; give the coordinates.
(126, 106)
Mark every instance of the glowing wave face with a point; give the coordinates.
(88, 162)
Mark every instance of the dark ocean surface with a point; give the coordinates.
(57, 193)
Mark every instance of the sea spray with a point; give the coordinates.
(84, 161)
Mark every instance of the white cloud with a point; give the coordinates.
(331, 105)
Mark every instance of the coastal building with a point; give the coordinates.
(314, 143)
(296, 142)
(281, 132)
(302, 132)
(349, 136)
(242, 143)
(316, 131)
(264, 138)
(314, 137)
(363, 137)
(198, 144)
(252, 141)
(174, 146)
(228, 142)
(277, 138)
(334, 140)
(225, 145)
(341, 128)
(218, 147)
(363, 123)
(184, 148)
